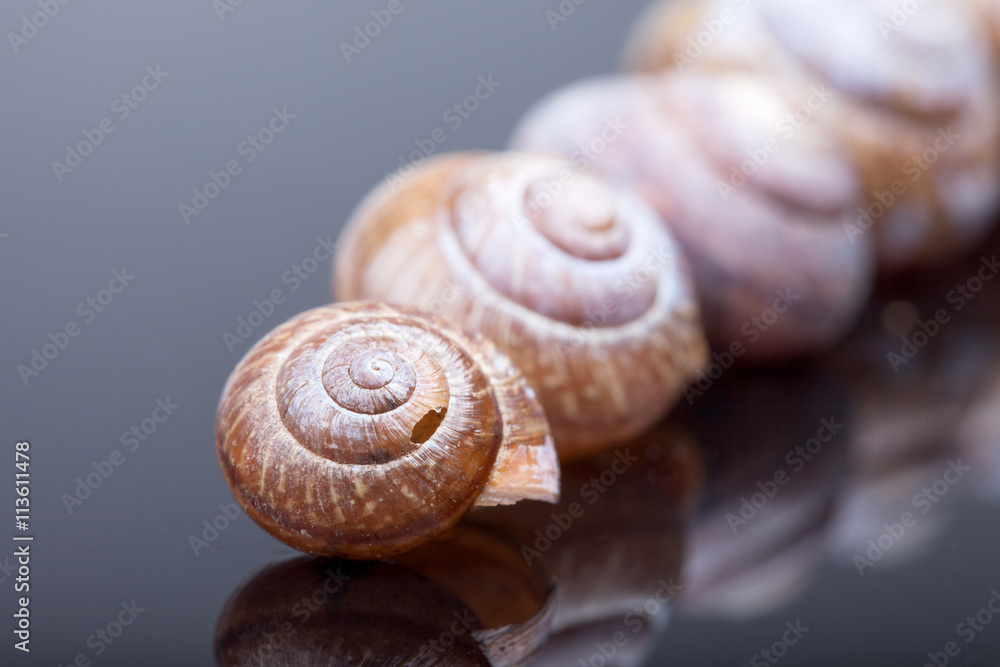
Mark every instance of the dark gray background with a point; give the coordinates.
(163, 335)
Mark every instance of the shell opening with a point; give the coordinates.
(427, 426)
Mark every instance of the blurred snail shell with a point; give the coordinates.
(775, 272)
(926, 389)
(763, 528)
(978, 437)
(914, 98)
(572, 278)
(362, 430)
(989, 13)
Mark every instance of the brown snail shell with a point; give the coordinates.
(913, 96)
(572, 278)
(362, 430)
(757, 244)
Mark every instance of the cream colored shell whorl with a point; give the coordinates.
(912, 94)
(776, 274)
(574, 279)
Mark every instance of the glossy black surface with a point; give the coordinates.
(141, 544)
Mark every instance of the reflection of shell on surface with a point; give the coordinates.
(979, 439)
(867, 506)
(923, 369)
(312, 611)
(575, 280)
(636, 635)
(616, 537)
(749, 553)
(362, 430)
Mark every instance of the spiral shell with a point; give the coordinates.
(913, 95)
(361, 430)
(575, 280)
(759, 214)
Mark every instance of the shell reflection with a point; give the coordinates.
(614, 544)
(775, 445)
(467, 599)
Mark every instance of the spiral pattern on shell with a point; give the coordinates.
(914, 99)
(362, 430)
(574, 279)
(690, 136)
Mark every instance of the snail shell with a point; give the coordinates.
(989, 12)
(574, 279)
(915, 101)
(753, 234)
(361, 430)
